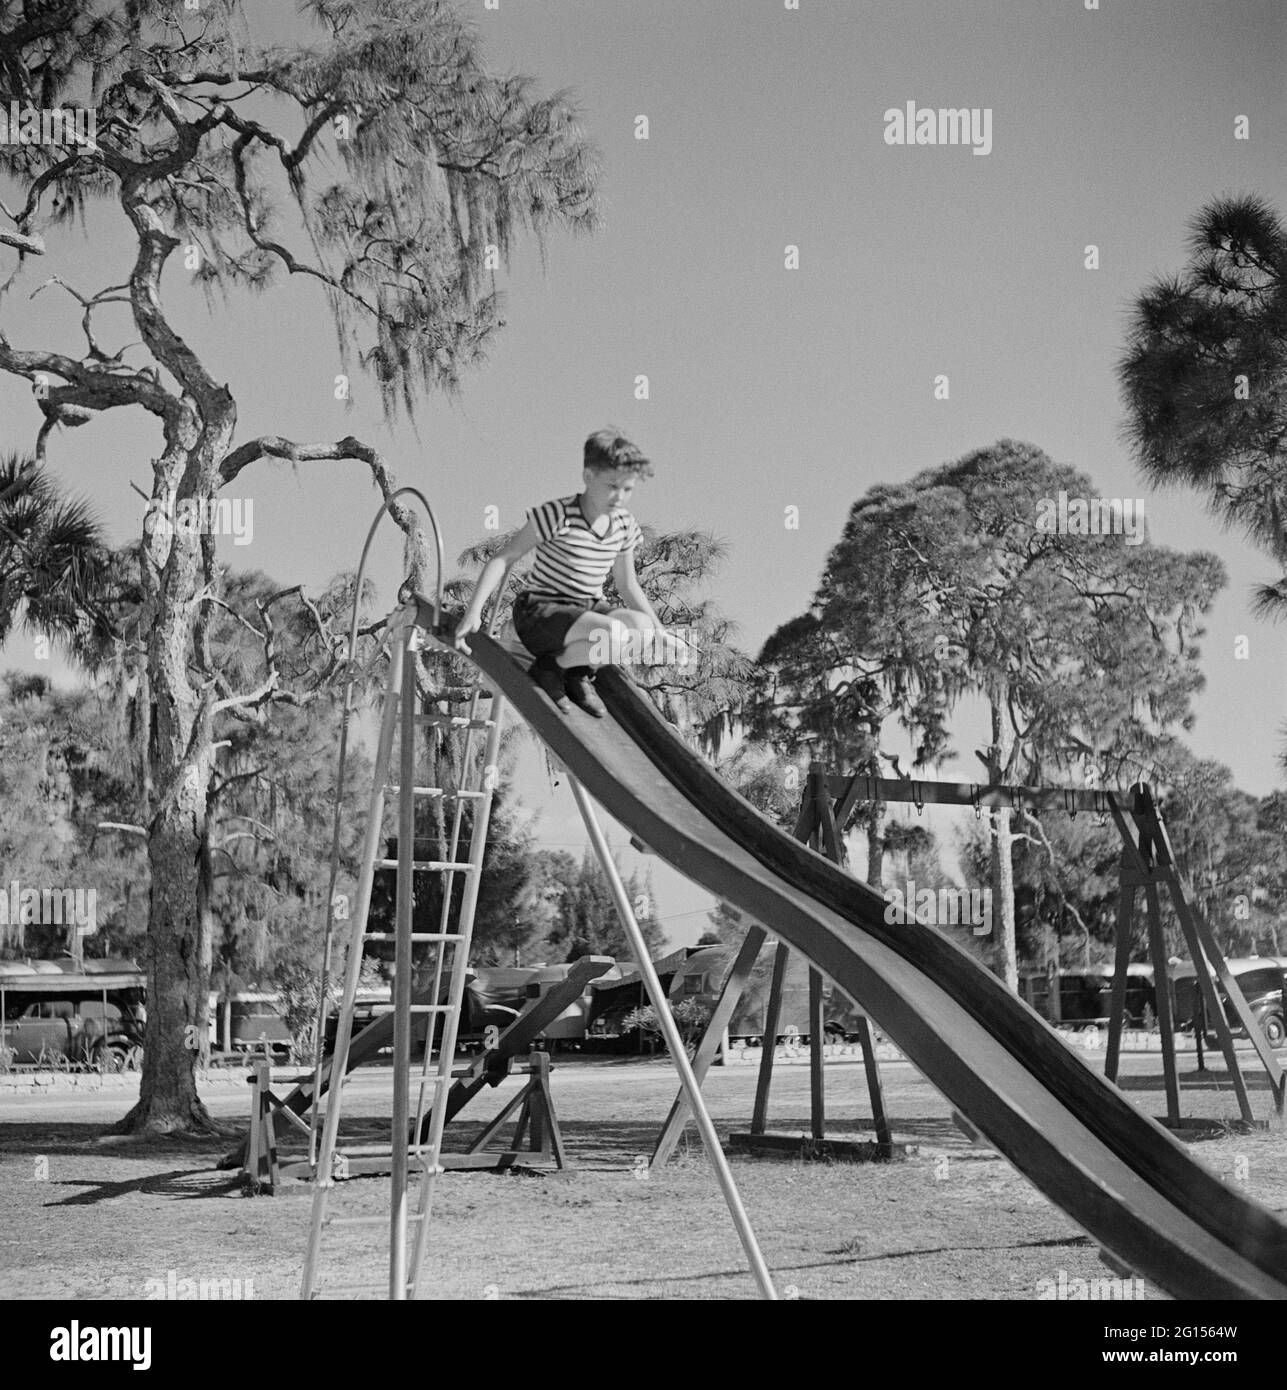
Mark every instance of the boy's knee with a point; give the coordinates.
(609, 644)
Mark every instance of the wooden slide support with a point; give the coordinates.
(819, 826)
(489, 1069)
(536, 1017)
(366, 1044)
(817, 817)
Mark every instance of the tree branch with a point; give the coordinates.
(33, 244)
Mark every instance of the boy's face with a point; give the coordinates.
(609, 488)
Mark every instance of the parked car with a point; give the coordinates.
(90, 1016)
(258, 1026)
(1260, 978)
(1085, 995)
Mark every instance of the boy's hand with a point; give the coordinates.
(673, 649)
(471, 622)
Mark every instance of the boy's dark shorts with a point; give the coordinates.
(542, 623)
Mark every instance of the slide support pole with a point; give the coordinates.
(678, 1052)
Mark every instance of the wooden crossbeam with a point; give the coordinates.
(855, 788)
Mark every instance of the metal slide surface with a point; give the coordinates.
(1118, 1174)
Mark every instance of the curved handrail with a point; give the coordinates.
(320, 1040)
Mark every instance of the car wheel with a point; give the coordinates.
(1275, 1029)
(110, 1056)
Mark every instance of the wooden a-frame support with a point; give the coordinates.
(1149, 862)
(818, 825)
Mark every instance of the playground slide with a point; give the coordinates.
(1118, 1174)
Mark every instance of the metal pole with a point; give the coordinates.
(456, 1003)
(372, 838)
(404, 909)
(678, 1052)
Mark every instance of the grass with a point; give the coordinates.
(953, 1221)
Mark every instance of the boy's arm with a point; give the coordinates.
(629, 587)
(493, 572)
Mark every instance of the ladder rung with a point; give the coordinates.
(416, 1153)
(415, 936)
(455, 721)
(427, 865)
(333, 1290)
(393, 788)
(369, 1220)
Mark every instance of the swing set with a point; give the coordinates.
(1147, 862)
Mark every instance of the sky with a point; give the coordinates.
(772, 388)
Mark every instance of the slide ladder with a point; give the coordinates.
(417, 1130)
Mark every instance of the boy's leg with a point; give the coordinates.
(549, 675)
(595, 639)
(624, 637)
(590, 643)
(647, 642)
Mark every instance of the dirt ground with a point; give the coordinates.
(86, 1216)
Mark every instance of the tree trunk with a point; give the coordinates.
(875, 847)
(1002, 873)
(1002, 863)
(178, 571)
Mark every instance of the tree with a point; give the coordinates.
(811, 702)
(271, 797)
(1081, 645)
(54, 565)
(433, 167)
(1066, 880)
(1204, 376)
(586, 921)
(62, 774)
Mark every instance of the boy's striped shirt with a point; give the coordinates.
(572, 561)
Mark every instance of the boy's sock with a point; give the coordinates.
(578, 681)
(549, 675)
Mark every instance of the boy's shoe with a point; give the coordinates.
(549, 675)
(578, 681)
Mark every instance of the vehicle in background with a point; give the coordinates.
(568, 1030)
(1084, 996)
(370, 1003)
(615, 996)
(494, 997)
(697, 973)
(750, 1019)
(258, 1025)
(51, 1012)
(1260, 978)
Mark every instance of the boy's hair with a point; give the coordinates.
(609, 449)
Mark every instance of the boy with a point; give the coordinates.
(561, 617)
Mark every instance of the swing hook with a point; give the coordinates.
(976, 800)
(918, 797)
(1070, 804)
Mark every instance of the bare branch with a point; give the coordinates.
(33, 244)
